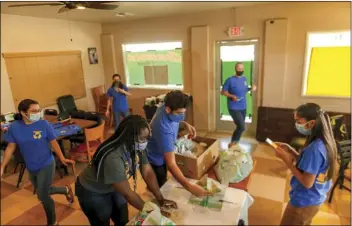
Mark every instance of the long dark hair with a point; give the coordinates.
(23, 106)
(126, 134)
(322, 130)
(120, 85)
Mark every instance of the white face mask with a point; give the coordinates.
(35, 117)
(141, 146)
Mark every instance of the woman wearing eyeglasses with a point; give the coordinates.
(36, 141)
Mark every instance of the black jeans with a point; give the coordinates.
(100, 208)
(239, 117)
(160, 173)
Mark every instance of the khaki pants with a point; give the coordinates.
(299, 216)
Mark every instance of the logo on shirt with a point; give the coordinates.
(245, 83)
(37, 134)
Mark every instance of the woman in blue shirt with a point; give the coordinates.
(36, 139)
(235, 89)
(117, 98)
(315, 167)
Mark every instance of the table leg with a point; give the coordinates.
(61, 144)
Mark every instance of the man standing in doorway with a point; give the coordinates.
(165, 125)
(235, 89)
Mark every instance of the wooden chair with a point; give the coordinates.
(97, 92)
(94, 134)
(93, 138)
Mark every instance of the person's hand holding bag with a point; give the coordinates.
(168, 204)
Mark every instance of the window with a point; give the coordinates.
(327, 67)
(154, 65)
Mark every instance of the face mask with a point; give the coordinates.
(141, 146)
(35, 117)
(239, 73)
(177, 117)
(300, 128)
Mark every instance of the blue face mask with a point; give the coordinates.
(35, 117)
(300, 128)
(141, 146)
(177, 117)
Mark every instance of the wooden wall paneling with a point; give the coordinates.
(16, 69)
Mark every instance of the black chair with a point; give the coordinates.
(344, 159)
(339, 127)
(2, 118)
(66, 104)
(19, 162)
(52, 112)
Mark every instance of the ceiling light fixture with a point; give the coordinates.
(124, 14)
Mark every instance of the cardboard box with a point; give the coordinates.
(195, 168)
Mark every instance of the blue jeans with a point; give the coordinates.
(239, 117)
(42, 181)
(117, 117)
(99, 208)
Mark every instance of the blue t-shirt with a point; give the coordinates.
(313, 160)
(163, 139)
(236, 85)
(33, 142)
(119, 103)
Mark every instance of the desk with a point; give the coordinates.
(83, 123)
(80, 122)
(188, 214)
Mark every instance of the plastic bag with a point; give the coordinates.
(234, 165)
(151, 215)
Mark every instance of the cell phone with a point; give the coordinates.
(271, 143)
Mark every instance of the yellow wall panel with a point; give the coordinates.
(329, 72)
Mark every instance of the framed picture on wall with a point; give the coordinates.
(93, 55)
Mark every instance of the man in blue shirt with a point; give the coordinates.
(117, 97)
(235, 89)
(161, 145)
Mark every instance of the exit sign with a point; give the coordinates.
(235, 31)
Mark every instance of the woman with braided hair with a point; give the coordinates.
(103, 189)
(315, 167)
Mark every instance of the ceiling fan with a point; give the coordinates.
(73, 5)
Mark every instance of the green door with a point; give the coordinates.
(228, 54)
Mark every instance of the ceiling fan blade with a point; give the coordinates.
(36, 4)
(63, 9)
(98, 5)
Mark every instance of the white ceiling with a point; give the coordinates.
(138, 9)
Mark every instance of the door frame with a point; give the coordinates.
(228, 125)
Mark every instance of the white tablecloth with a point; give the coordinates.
(189, 214)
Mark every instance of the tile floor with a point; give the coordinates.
(269, 187)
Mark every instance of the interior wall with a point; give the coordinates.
(31, 34)
(301, 16)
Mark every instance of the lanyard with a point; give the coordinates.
(128, 166)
